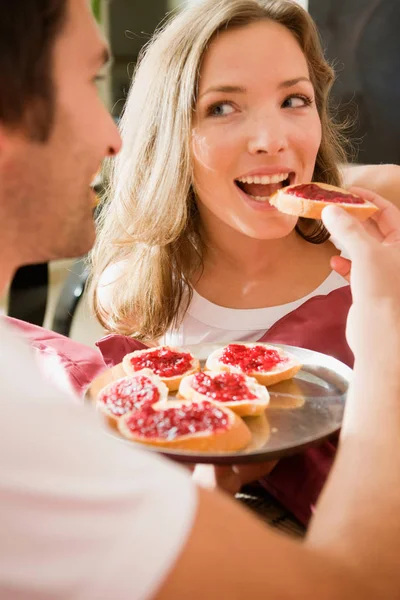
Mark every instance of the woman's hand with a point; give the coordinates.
(231, 479)
(384, 226)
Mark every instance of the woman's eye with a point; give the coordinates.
(222, 109)
(297, 102)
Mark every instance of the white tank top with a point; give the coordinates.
(206, 322)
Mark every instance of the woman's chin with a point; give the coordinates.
(275, 228)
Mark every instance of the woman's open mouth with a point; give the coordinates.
(261, 187)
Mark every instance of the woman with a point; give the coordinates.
(229, 103)
(155, 202)
(177, 218)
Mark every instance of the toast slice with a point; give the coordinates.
(186, 425)
(169, 363)
(267, 364)
(236, 391)
(309, 199)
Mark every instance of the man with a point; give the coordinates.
(84, 517)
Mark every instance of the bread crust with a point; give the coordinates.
(171, 382)
(235, 437)
(275, 375)
(243, 408)
(312, 209)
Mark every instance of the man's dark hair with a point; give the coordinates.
(28, 30)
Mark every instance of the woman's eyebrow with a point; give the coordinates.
(238, 89)
(225, 89)
(291, 82)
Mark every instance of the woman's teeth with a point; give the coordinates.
(259, 198)
(265, 179)
(260, 188)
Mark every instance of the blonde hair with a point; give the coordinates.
(150, 219)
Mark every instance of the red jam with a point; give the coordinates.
(251, 358)
(172, 422)
(163, 361)
(128, 394)
(224, 387)
(314, 192)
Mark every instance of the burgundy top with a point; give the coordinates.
(320, 325)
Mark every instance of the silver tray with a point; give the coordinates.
(303, 411)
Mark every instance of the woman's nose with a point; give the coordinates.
(268, 137)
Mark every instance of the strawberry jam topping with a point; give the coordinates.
(128, 394)
(251, 358)
(172, 422)
(163, 361)
(224, 387)
(315, 192)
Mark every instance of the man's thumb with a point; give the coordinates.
(345, 228)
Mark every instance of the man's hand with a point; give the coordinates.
(384, 226)
(374, 251)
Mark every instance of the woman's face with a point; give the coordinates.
(256, 128)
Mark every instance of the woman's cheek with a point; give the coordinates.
(309, 141)
(314, 140)
(202, 153)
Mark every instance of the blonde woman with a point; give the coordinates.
(229, 103)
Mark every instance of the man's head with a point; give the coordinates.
(54, 129)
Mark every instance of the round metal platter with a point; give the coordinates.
(302, 412)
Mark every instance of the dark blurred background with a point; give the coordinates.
(362, 38)
(128, 25)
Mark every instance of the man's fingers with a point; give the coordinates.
(345, 228)
(342, 266)
(387, 218)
